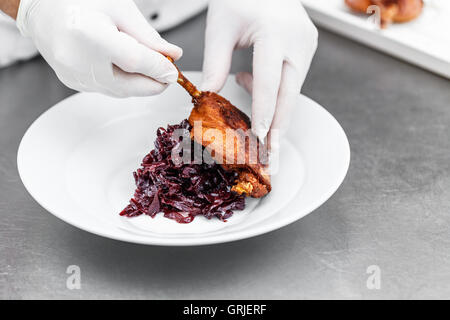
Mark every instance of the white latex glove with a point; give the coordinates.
(100, 45)
(284, 41)
(13, 47)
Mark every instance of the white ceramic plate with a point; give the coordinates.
(77, 161)
(423, 41)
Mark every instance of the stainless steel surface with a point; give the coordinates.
(393, 209)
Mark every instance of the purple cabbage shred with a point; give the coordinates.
(181, 191)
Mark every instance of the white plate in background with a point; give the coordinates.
(77, 161)
(424, 41)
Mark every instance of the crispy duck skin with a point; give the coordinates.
(391, 10)
(216, 112)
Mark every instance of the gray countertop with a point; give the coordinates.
(392, 211)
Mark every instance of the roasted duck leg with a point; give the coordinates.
(217, 113)
(391, 10)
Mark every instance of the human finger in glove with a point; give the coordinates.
(284, 41)
(105, 46)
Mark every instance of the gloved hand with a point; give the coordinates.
(14, 47)
(100, 45)
(284, 41)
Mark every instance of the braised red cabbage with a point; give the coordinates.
(181, 191)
